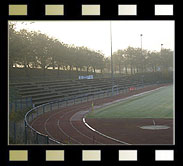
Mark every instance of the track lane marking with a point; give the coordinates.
(102, 105)
(69, 137)
(81, 132)
(114, 139)
(106, 104)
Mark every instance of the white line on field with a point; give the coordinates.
(114, 139)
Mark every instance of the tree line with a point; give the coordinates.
(31, 49)
(140, 60)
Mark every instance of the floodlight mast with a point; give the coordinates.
(142, 76)
(141, 40)
(112, 74)
(161, 48)
(141, 51)
(161, 55)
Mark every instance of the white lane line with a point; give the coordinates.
(88, 125)
(58, 124)
(45, 123)
(84, 121)
(81, 132)
(45, 127)
(114, 139)
(37, 118)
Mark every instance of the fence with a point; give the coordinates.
(16, 132)
(33, 136)
(20, 104)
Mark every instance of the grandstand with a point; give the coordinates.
(46, 91)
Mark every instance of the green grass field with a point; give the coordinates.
(156, 104)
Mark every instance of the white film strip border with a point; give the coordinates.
(91, 155)
(91, 10)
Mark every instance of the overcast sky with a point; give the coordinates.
(96, 34)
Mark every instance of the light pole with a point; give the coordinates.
(141, 50)
(141, 40)
(161, 48)
(161, 55)
(112, 75)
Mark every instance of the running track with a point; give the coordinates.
(66, 124)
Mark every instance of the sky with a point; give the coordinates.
(96, 34)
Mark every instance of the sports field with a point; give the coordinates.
(155, 104)
(119, 123)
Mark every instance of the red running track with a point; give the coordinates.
(66, 124)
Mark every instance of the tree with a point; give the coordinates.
(58, 52)
(130, 52)
(107, 64)
(119, 60)
(14, 45)
(42, 44)
(166, 59)
(153, 60)
(30, 49)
